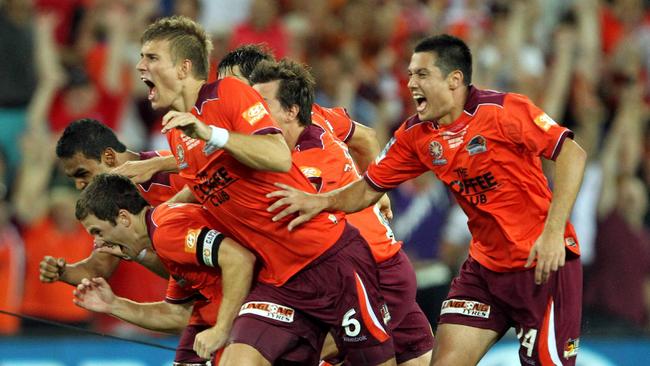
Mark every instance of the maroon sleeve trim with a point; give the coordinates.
(558, 145)
(195, 296)
(374, 185)
(351, 132)
(267, 131)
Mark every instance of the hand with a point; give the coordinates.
(186, 122)
(139, 171)
(51, 269)
(307, 205)
(550, 253)
(94, 295)
(384, 207)
(209, 341)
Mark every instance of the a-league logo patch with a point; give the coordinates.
(435, 150)
(180, 157)
(465, 307)
(268, 310)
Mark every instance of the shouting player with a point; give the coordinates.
(486, 147)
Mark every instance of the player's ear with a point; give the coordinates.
(123, 218)
(455, 79)
(293, 111)
(184, 69)
(109, 157)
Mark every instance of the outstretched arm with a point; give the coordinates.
(236, 265)
(351, 198)
(549, 247)
(96, 295)
(363, 146)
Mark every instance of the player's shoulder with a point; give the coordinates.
(479, 98)
(175, 213)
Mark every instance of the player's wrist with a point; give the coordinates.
(218, 137)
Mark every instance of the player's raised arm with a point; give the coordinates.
(351, 198)
(260, 152)
(140, 171)
(96, 295)
(363, 146)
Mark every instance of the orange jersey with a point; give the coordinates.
(236, 194)
(335, 120)
(183, 237)
(162, 186)
(326, 162)
(489, 158)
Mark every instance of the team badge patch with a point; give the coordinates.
(191, 239)
(571, 348)
(477, 145)
(255, 113)
(268, 310)
(435, 150)
(180, 157)
(570, 242)
(544, 122)
(465, 307)
(310, 172)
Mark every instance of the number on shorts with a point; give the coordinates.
(528, 340)
(352, 326)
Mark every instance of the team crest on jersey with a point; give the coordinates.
(255, 113)
(191, 239)
(435, 150)
(571, 348)
(180, 157)
(310, 172)
(477, 145)
(570, 242)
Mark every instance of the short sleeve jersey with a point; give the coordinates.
(162, 186)
(236, 194)
(186, 241)
(326, 162)
(335, 120)
(490, 160)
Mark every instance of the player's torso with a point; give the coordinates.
(327, 163)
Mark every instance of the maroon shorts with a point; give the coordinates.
(410, 328)
(185, 354)
(546, 317)
(339, 291)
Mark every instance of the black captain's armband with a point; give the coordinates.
(208, 243)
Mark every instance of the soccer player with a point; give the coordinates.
(87, 148)
(288, 89)
(486, 147)
(231, 151)
(360, 139)
(198, 257)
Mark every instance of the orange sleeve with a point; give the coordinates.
(397, 163)
(527, 126)
(337, 121)
(176, 294)
(244, 111)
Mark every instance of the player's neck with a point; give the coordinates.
(128, 155)
(141, 231)
(189, 95)
(460, 98)
(292, 132)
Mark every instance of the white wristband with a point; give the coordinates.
(219, 137)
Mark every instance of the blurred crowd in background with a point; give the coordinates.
(585, 62)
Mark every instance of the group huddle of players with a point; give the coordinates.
(279, 251)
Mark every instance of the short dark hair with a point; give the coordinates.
(296, 85)
(187, 40)
(106, 195)
(452, 54)
(87, 136)
(246, 57)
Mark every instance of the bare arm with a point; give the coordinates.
(549, 247)
(97, 265)
(236, 265)
(140, 171)
(351, 198)
(96, 295)
(261, 152)
(185, 195)
(363, 146)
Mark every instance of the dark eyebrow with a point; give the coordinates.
(79, 172)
